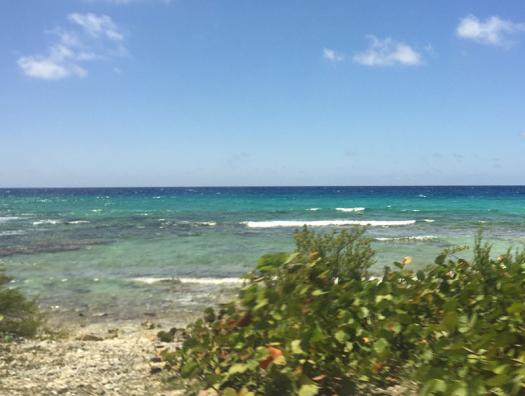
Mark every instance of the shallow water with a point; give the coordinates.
(87, 247)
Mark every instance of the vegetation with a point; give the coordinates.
(19, 316)
(316, 322)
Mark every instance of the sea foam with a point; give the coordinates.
(47, 221)
(350, 209)
(407, 238)
(326, 223)
(13, 232)
(8, 218)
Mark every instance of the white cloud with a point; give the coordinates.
(387, 52)
(332, 55)
(494, 31)
(97, 25)
(96, 37)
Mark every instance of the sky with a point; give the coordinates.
(230, 93)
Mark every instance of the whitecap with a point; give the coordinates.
(407, 238)
(12, 232)
(350, 209)
(47, 221)
(313, 209)
(206, 223)
(422, 196)
(429, 220)
(77, 222)
(5, 219)
(325, 223)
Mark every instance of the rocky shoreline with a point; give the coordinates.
(107, 358)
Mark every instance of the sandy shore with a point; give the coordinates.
(96, 359)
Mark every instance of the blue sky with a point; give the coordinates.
(191, 92)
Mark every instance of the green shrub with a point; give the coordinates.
(19, 317)
(316, 322)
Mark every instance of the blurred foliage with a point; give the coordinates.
(316, 323)
(19, 317)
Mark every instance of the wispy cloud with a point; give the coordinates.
(91, 37)
(387, 52)
(522, 134)
(493, 31)
(97, 25)
(332, 55)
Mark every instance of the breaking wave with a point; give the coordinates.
(407, 238)
(326, 223)
(47, 221)
(8, 218)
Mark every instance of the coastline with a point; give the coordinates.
(97, 352)
(107, 358)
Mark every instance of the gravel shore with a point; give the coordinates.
(96, 359)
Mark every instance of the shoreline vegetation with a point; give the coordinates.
(314, 322)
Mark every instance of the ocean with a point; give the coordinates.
(101, 250)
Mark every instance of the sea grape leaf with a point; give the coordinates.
(308, 390)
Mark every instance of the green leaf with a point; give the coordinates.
(262, 303)
(451, 321)
(296, 347)
(229, 392)
(308, 390)
(381, 345)
(340, 335)
(238, 368)
(434, 386)
(498, 380)
(440, 260)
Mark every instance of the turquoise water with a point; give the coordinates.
(105, 248)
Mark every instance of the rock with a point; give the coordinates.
(89, 337)
(155, 370)
(156, 359)
(149, 325)
(150, 314)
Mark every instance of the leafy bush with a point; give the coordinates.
(19, 316)
(316, 322)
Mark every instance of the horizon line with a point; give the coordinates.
(263, 186)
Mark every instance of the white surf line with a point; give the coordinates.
(325, 223)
